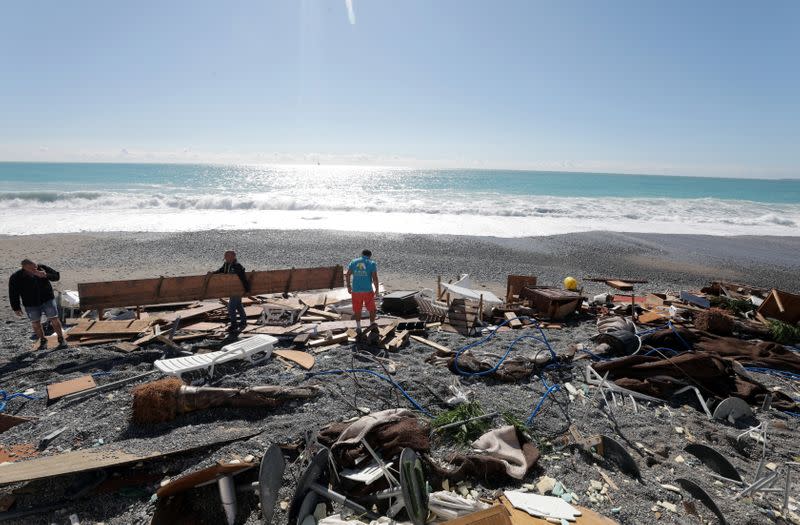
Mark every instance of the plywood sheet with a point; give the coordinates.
(304, 359)
(496, 515)
(108, 328)
(173, 289)
(79, 384)
(199, 477)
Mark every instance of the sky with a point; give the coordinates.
(679, 87)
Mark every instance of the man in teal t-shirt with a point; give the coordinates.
(364, 274)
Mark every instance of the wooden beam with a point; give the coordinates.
(432, 344)
(109, 294)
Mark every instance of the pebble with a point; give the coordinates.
(669, 506)
(679, 459)
(772, 466)
(672, 488)
(545, 484)
(558, 489)
(679, 430)
(596, 485)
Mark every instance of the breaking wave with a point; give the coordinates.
(730, 217)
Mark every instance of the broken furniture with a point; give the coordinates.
(552, 303)
(270, 477)
(515, 284)
(429, 307)
(783, 306)
(463, 315)
(243, 349)
(401, 303)
(412, 491)
(465, 289)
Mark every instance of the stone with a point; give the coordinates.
(545, 484)
(669, 506)
(558, 489)
(679, 459)
(595, 485)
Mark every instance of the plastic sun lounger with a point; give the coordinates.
(244, 349)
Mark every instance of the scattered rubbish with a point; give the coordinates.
(546, 507)
(244, 349)
(46, 440)
(698, 493)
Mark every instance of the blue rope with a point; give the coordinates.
(793, 414)
(376, 374)
(542, 339)
(662, 350)
(5, 398)
(671, 327)
(548, 391)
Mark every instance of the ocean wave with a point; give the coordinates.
(598, 210)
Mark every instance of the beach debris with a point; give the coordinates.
(711, 458)
(79, 384)
(47, 439)
(401, 303)
(243, 349)
(165, 399)
(547, 507)
(780, 306)
(552, 303)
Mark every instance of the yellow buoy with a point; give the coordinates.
(570, 283)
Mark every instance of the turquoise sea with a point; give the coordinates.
(176, 197)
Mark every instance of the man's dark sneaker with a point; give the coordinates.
(42, 344)
(62, 344)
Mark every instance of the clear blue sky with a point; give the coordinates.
(682, 87)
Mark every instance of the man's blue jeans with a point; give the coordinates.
(235, 307)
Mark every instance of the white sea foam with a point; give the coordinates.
(418, 212)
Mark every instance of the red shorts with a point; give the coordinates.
(363, 299)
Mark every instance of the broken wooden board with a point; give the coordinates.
(783, 306)
(188, 314)
(515, 284)
(436, 346)
(397, 341)
(620, 285)
(652, 317)
(97, 329)
(328, 316)
(339, 338)
(201, 477)
(337, 326)
(303, 359)
(125, 346)
(203, 326)
(102, 457)
(495, 515)
(79, 384)
(512, 319)
(8, 421)
(173, 289)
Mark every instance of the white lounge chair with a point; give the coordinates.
(243, 349)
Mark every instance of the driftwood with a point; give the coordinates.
(166, 399)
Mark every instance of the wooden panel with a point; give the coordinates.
(59, 390)
(7, 421)
(108, 328)
(199, 477)
(195, 287)
(99, 457)
(783, 306)
(496, 515)
(516, 283)
(620, 285)
(304, 359)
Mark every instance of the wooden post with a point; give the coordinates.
(438, 287)
(480, 309)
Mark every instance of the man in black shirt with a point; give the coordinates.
(231, 265)
(31, 283)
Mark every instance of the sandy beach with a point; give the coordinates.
(414, 261)
(406, 262)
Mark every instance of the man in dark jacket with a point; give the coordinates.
(32, 284)
(231, 265)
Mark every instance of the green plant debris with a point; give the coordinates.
(468, 432)
(784, 333)
(515, 422)
(737, 306)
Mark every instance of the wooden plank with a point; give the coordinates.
(398, 341)
(496, 515)
(513, 322)
(304, 359)
(340, 338)
(174, 289)
(620, 285)
(200, 477)
(335, 326)
(102, 457)
(436, 346)
(587, 517)
(109, 328)
(59, 390)
(192, 313)
(329, 316)
(204, 326)
(8, 421)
